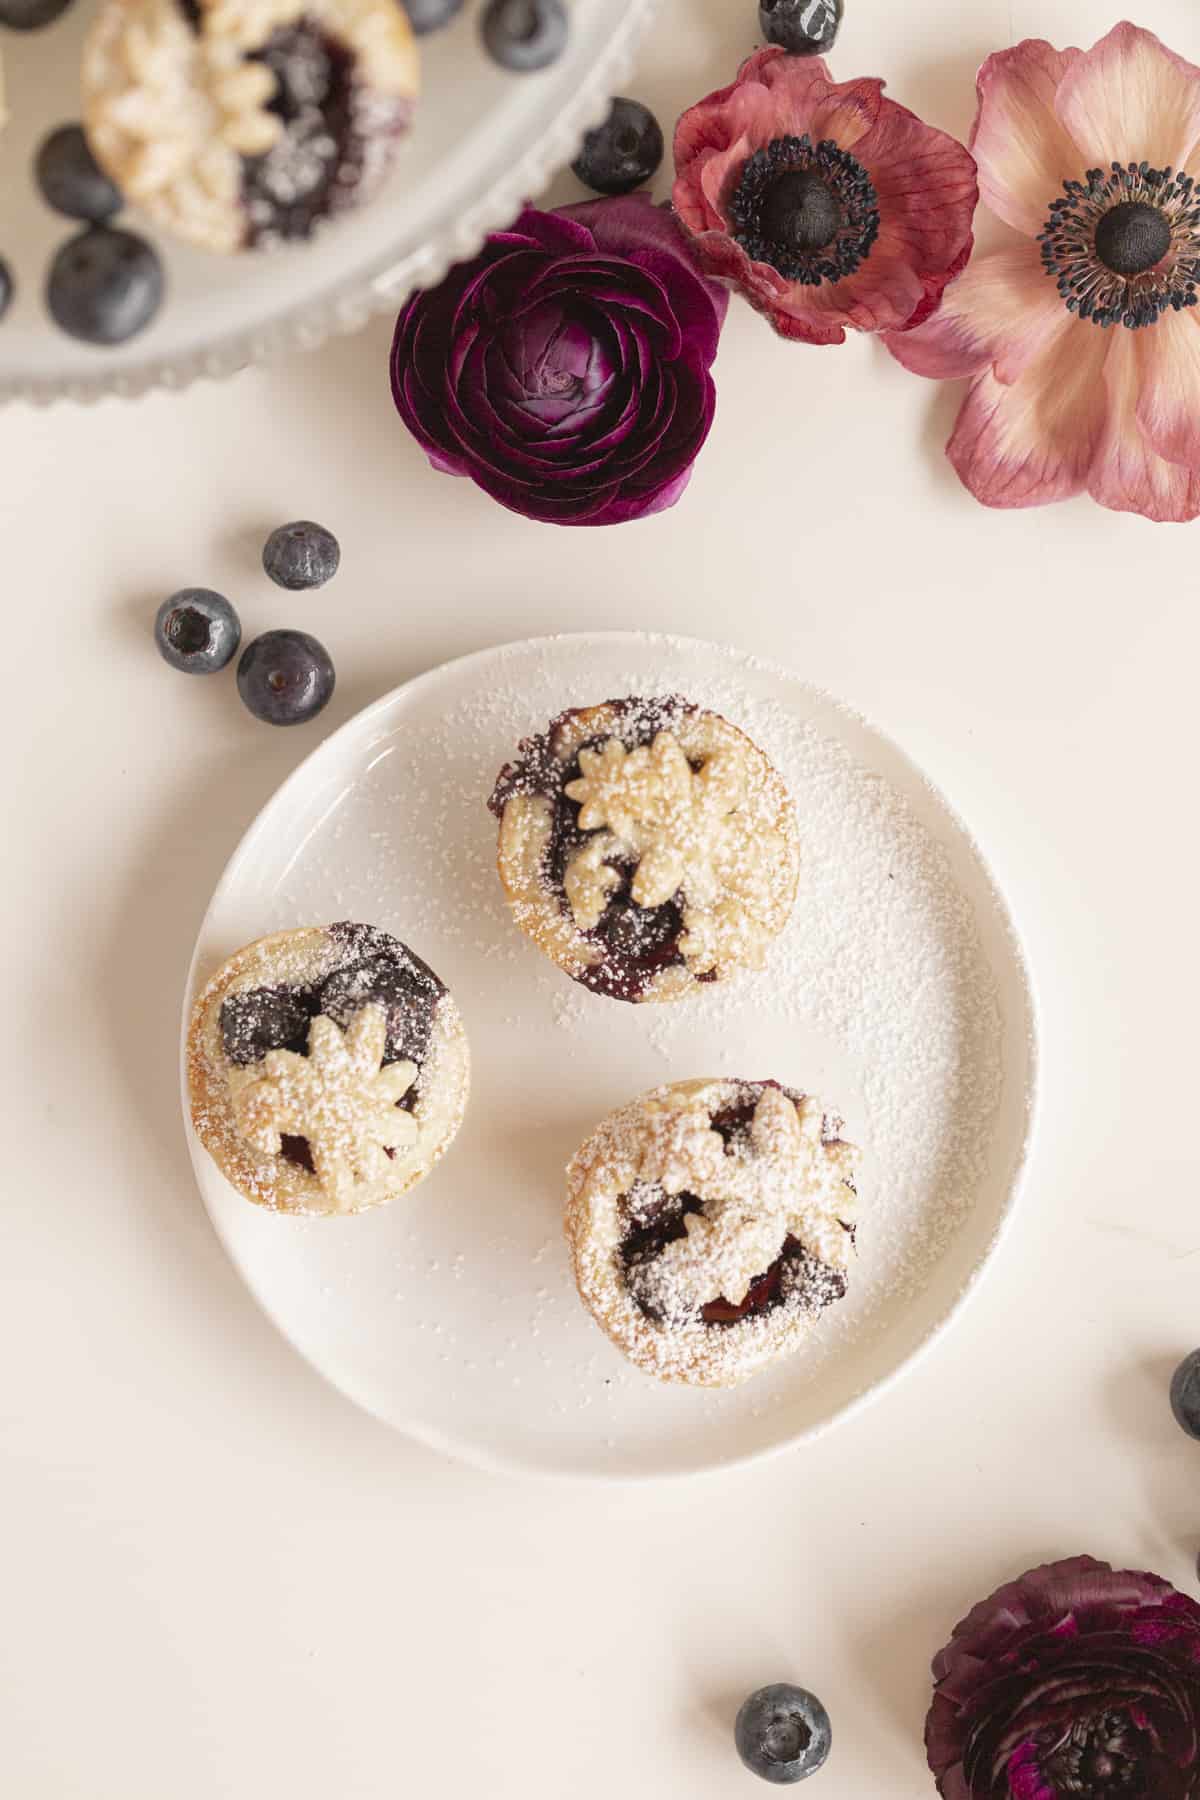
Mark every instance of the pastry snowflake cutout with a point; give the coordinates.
(788, 1181)
(339, 1097)
(685, 830)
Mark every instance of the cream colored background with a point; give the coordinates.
(219, 1580)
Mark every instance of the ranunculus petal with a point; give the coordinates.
(1033, 441)
(999, 313)
(1127, 473)
(1168, 407)
(556, 233)
(1023, 151)
(631, 225)
(1130, 99)
(565, 368)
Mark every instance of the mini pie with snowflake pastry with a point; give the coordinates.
(237, 124)
(711, 1224)
(327, 1069)
(646, 845)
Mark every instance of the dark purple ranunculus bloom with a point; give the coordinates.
(1074, 1681)
(565, 369)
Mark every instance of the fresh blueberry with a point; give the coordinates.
(7, 287)
(525, 34)
(431, 15)
(104, 285)
(1185, 1394)
(71, 180)
(805, 27)
(783, 1733)
(30, 15)
(285, 677)
(624, 152)
(197, 631)
(301, 555)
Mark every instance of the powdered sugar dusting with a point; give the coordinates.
(879, 996)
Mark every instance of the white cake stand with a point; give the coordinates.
(484, 141)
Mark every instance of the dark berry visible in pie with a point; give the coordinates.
(525, 35)
(262, 1019)
(301, 555)
(285, 677)
(408, 1003)
(803, 27)
(634, 932)
(783, 1733)
(71, 180)
(624, 152)
(197, 630)
(7, 287)
(105, 285)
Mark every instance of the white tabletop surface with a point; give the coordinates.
(221, 1580)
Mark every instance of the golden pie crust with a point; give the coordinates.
(224, 1110)
(787, 1178)
(703, 804)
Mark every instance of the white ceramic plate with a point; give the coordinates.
(484, 141)
(899, 991)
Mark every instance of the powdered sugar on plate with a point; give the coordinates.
(897, 992)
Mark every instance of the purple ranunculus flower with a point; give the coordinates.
(565, 369)
(1074, 1681)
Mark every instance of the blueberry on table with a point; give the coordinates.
(623, 153)
(105, 285)
(7, 287)
(783, 1733)
(31, 15)
(285, 677)
(1185, 1394)
(524, 35)
(197, 630)
(805, 27)
(71, 180)
(431, 15)
(301, 555)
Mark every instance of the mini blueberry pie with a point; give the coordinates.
(327, 1069)
(242, 123)
(646, 846)
(711, 1223)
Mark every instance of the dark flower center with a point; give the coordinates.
(1098, 1757)
(798, 210)
(557, 381)
(1125, 246)
(809, 210)
(1132, 238)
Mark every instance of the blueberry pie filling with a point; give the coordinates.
(647, 845)
(712, 1224)
(245, 123)
(328, 1068)
(381, 972)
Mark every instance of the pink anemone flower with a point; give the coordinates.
(825, 204)
(1080, 338)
